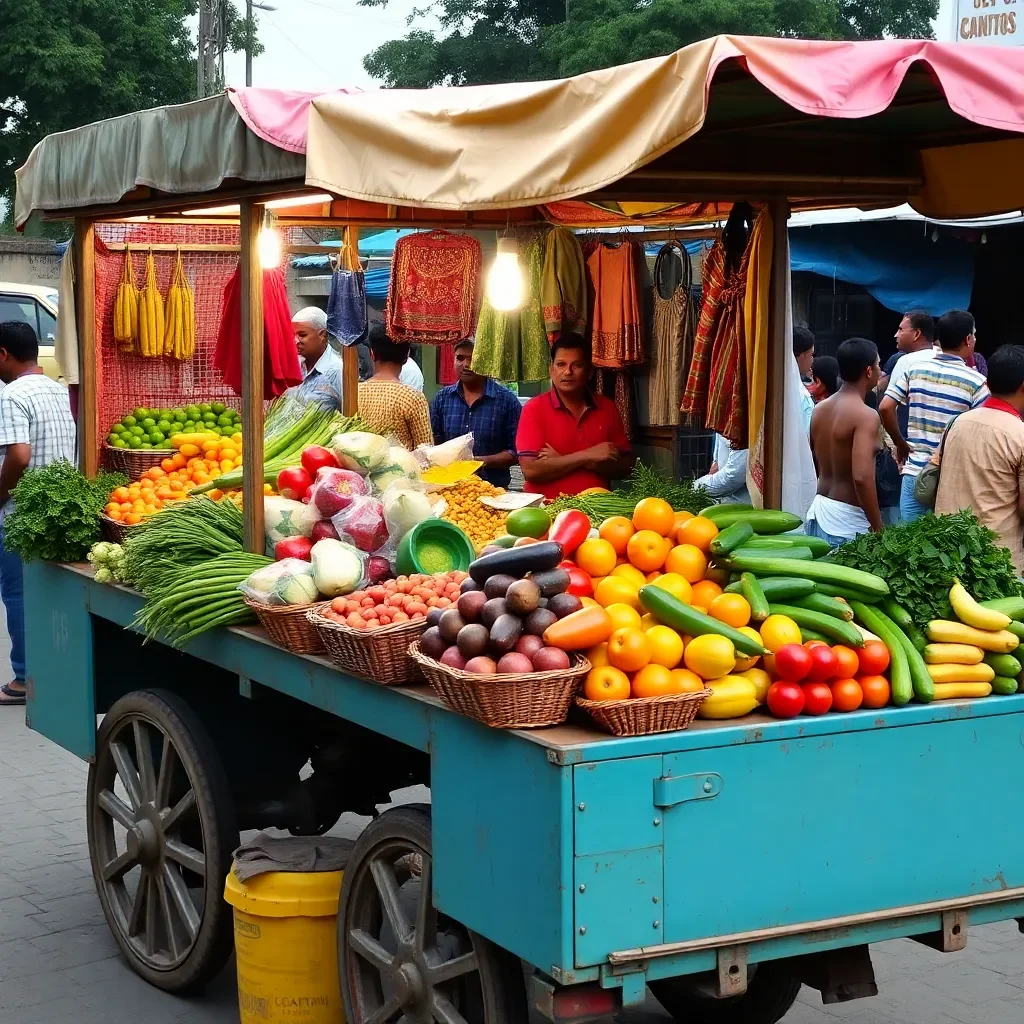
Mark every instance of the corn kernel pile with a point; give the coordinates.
(480, 523)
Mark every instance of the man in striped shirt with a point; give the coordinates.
(935, 392)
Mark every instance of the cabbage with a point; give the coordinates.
(400, 465)
(289, 581)
(296, 589)
(283, 518)
(404, 507)
(337, 567)
(360, 451)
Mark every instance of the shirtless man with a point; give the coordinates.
(844, 441)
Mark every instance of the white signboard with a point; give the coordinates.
(988, 22)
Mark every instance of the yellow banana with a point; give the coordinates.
(971, 613)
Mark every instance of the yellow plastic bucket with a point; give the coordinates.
(286, 947)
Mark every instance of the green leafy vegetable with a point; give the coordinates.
(920, 560)
(56, 512)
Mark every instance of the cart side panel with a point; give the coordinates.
(502, 835)
(59, 658)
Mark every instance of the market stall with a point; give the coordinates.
(623, 614)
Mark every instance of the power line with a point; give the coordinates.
(305, 53)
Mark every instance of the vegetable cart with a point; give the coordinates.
(724, 865)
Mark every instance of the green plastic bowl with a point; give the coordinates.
(429, 543)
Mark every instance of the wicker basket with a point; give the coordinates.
(381, 655)
(133, 462)
(520, 700)
(640, 716)
(114, 531)
(289, 627)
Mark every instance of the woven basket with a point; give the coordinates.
(133, 461)
(640, 716)
(289, 627)
(517, 700)
(114, 531)
(381, 655)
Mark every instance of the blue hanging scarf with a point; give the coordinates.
(346, 307)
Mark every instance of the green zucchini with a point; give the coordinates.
(761, 520)
(814, 570)
(1004, 686)
(917, 638)
(826, 605)
(1012, 606)
(898, 614)
(836, 630)
(1016, 628)
(731, 537)
(686, 620)
(712, 512)
(924, 686)
(800, 553)
(818, 545)
(755, 596)
(846, 593)
(901, 685)
(777, 588)
(1004, 665)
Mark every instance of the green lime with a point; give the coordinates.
(157, 437)
(134, 442)
(218, 407)
(112, 438)
(224, 421)
(137, 431)
(129, 421)
(141, 412)
(208, 417)
(149, 423)
(120, 443)
(145, 444)
(206, 407)
(180, 416)
(189, 425)
(163, 426)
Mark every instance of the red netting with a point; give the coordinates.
(125, 381)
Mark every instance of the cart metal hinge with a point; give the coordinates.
(679, 789)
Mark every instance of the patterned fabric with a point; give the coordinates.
(534, 351)
(563, 285)
(618, 386)
(695, 395)
(435, 280)
(346, 306)
(34, 410)
(672, 336)
(614, 302)
(391, 409)
(727, 397)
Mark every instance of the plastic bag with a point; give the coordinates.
(362, 524)
(334, 490)
(400, 465)
(457, 449)
(405, 504)
(360, 451)
(338, 568)
(288, 582)
(283, 518)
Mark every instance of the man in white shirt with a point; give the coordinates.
(321, 365)
(726, 481)
(411, 375)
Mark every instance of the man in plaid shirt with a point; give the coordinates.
(36, 428)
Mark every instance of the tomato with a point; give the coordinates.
(580, 583)
(875, 690)
(823, 665)
(785, 700)
(811, 644)
(846, 695)
(792, 663)
(817, 698)
(849, 663)
(873, 658)
(317, 457)
(566, 563)
(294, 482)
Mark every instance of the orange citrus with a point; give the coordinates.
(617, 530)
(652, 681)
(698, 531)
(676, 585)
(686, 681)
(623, 616)
(666, 646)
(646, 550)
(703, 593)
(744, 661)
(598, 656)
(596, 557)
(654, 514)
(616, 590)
(631, 573)
(710, 656)
(629, 649)
(647, 621)
(760, 679)
(682, 517)
(606, 683)
(779, 630)
(732, 609)
(688, 561)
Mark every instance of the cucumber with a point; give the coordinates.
(837, 630)
(713, 512)
(818, 545)
(810, 634)
(846, 593)
(826, 605)
(731, 537)
(898, 614)
(1012, 606)
(777, 588)
(920, 677)
(827, 572)
(1004, 686)
(690, 622)
(761, 521)
(1004, 665)
(901, 684)
(801, 553)
(755, 596)
(1016, 628)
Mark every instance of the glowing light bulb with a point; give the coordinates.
(268, 246)
(505, 285)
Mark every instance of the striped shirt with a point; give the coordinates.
(936, 391)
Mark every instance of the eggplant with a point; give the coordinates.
(517, 562)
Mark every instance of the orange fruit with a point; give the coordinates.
(598, 656)
(629, 649)
(688, 561)
(846, 695)
(623, 616)
(606, 683)
(652, 681)
(647, 621)
(617, 530)
(703, 593)
(699, 532)
(682, 517)
(732, 609)
(875, 690)
(114, 513)
(666, 646)
(132, 518)
(676, 585)
(631, 573)
(686, 681)
(595, 556)
(616, 590)
(711, 656)
(744, 661)
(654, 514)
(760, 679)
(849, 662)
(646, 550)
(779, 630)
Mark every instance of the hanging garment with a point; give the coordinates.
(496, 351)
(534, 351)
(672, 336)
(446, 364)
(755, 337)
(435, 283)
(614, 303)
(346, 306)
(618, 386)
(564, 285)
(281, 368)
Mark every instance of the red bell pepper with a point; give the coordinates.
(569, 529)
(580, 583)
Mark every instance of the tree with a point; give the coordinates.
(485, 41)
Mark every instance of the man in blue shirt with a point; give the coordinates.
(321, 365)
(481, 406)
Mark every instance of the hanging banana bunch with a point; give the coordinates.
(180, 338)
(151, 314)
(126, 308)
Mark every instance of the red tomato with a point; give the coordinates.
(846, 695)
(315, 457)
(849, 663)
(811, 644)
(875, 690)
(294, 482)
(873, 658)
(792, 663)
(785, 700)
(824, 665)
(817, 698)
(580, 583)
(566, 563)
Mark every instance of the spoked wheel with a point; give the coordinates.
(162, 829)
(399, 959)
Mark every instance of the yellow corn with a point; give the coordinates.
(126, 307)
(180, 338)
(480, 523)
(151, 314)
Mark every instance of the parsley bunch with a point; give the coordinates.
(56, 512)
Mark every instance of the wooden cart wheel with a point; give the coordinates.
(769, 996)
(397, 956)
(161, 827)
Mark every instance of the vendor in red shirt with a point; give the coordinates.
(570, 439)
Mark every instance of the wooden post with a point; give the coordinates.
(84, 301)
(780, 351)
(250, 220)
(349, 356)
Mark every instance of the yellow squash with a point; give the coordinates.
(945, 632)
(955, 691)
(731, 697)
(968, 611)
(953, 654)
(962, 673)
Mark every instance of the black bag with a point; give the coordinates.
(887, 479)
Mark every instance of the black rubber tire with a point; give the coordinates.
(214, 943)
(769, 996)
(501, 974)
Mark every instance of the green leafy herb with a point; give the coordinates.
(56, 512)
(920, 560)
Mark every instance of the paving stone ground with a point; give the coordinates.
(59, 964)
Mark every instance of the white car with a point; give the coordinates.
(35, 305)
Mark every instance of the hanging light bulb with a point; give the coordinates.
(268, 244)
(505, 284)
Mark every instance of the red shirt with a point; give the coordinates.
(546, 420)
